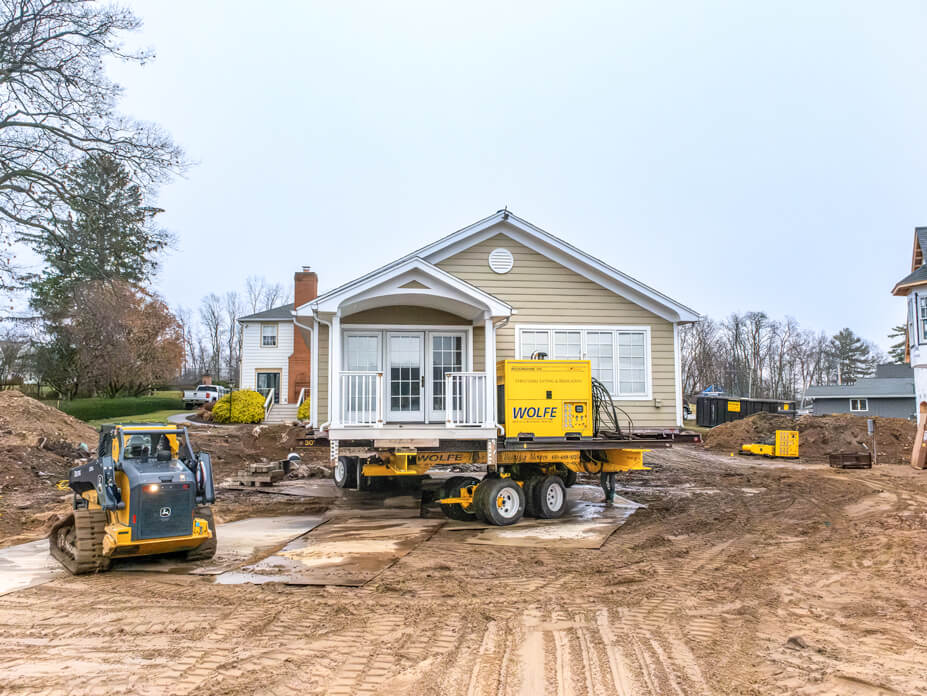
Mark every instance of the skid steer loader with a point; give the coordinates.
(145, 493)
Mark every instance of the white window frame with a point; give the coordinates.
(920, 300)
(861, 403)
(276, 334)
(616, 329)
(912, 321)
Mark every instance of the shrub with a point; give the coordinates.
(99, 408)
(243, 406)
(304, 413)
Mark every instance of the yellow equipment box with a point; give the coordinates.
(786, 445)
(545, 399)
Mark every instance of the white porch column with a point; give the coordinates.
(490, 369)
(314, 377)
(334, 365)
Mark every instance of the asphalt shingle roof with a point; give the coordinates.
(919, 275)
(870, 387)
(274, 314)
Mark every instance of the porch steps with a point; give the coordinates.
(282, 413)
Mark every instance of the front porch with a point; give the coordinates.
(410, 356)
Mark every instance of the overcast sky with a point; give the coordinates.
(736, 155)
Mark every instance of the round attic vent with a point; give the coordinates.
(501, 260)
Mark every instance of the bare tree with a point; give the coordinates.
(212, 320)
(233, 334)
(57, 107)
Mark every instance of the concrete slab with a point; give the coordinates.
(241, 542)
(245, 541)
(348, 552)
(27, 565)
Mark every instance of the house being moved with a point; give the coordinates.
(377, 354)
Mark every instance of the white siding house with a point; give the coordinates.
(267, 343)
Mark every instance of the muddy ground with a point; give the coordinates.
(741, 577)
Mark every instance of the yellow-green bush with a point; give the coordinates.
(304, 413)
(243, 406)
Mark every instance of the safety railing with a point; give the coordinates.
(465, 398)
(302, 397)
(268, 402)
(362, 398)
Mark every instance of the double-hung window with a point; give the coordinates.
(619, 355)
(859, 404)
(268, 335)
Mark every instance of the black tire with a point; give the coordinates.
(569, 479)
(187, 405)
(344, 473)
(366, 483)
(530, 496)
(550, 498)
(207, 549)
(502, 502)
(451, 489)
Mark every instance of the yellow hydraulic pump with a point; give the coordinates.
(785, 445)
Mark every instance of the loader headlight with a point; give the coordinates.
(153, 488)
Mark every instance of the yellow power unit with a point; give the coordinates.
(545, 399)
(786, 445)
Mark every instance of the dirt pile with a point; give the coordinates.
(38, 444)
(819, 436)
(25, 421)
(232, 448)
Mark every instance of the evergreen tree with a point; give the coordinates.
(852, 357)
(897, 350)
(110, 236)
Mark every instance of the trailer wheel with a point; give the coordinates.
(549, 498)
(531, 496)
(367, 483)
(569, 479)
(345, 472)
(502, 501)
(456, 511)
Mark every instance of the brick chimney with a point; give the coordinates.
(305, 288)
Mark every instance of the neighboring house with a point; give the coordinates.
(382, 345)
(914, 287)
(890, 394)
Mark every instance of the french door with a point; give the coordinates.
(405, 376)
(414, 367)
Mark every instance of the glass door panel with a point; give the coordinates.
(405, 374)
(446, 352)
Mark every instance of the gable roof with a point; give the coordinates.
(404, 279)
(273, 314)
(918, 274)
(548, 245)
(867, 388)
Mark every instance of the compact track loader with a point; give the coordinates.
(147, 492)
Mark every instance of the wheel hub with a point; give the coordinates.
(507, 503)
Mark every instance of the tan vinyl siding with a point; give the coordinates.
(479, 349)
(411, 316)
(544, 292)
(322, 384)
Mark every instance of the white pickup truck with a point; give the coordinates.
(203, 394)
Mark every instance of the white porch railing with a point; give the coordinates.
(268, 402)
(362, 398)
(302, 397)
(465, 398)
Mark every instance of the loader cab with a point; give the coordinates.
(157, 474)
